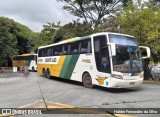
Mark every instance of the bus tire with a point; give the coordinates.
(33, 69)
(18, 68)
(48, 74)
(87, 80)
(44, 72)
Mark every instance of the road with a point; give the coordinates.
(36, 91)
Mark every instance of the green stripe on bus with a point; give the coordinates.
(27, 62)
(68, 66)
(65, 66)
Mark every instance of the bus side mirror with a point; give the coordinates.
(113, 49)
(146, 52)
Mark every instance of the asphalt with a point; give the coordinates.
(35, 91)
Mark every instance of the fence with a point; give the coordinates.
(13, 71)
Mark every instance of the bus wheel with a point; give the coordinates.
(48, 74)
(44, 73)
(33, 69)
(87, 80)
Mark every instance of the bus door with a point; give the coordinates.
(102, 54)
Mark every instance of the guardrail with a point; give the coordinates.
(6, 69)
(13, 71)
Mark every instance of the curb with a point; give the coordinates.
(151, 82)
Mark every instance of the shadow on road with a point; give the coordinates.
(65, 80)
(118, 90)
(111, 90)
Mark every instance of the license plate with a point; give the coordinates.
(132, 83)
(127, 75)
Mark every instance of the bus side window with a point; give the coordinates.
(60, 50)
(65, 49)
(45, 52)
(52, 51)
(40, 53)
(85, 46)
(75, 48)
(69, 48)
(49, 52)
(89, 46)
(56, 51)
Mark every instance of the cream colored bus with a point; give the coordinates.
(29, 60)
(105, 59)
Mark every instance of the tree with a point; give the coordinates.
(108, 24)
(93, 10)
(15, 38)
(143, 23)
(74, 29)
(47, 34)
(7, 41)
(25, 38)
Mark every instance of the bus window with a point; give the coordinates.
(75, 48)
(84, 47)
(101, 54)
(49, 52)
(65, 49)
(40, 53)
(56, 51)
(60, 50)
(45, 52)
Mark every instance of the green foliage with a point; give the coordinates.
(47, 34)
(53, 33)
(74, 29)
(142, 22)
(14, 39)
(7, 40)
(25, 38)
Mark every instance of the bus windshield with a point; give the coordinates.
(128, 55)
(127, 59)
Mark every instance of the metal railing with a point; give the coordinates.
(13, 71)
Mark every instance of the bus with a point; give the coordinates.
(105, 59)
(29, 60)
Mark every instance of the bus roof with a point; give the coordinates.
(26, 54)
(81, 38)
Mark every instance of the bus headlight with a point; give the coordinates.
(141, 75)
(116, 76)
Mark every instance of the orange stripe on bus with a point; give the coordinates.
(57, 67)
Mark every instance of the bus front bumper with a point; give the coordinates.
(120, 83)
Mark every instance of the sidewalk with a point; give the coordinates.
(10, 74)
(151, 82)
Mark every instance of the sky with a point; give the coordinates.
(35, 13)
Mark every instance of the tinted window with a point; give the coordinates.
(85, 46)
(60, 50)
(122, 40)
(74, 48)
(77, 47)
(49, 51)
(40, 53)
(101, 54)
(65, 49)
